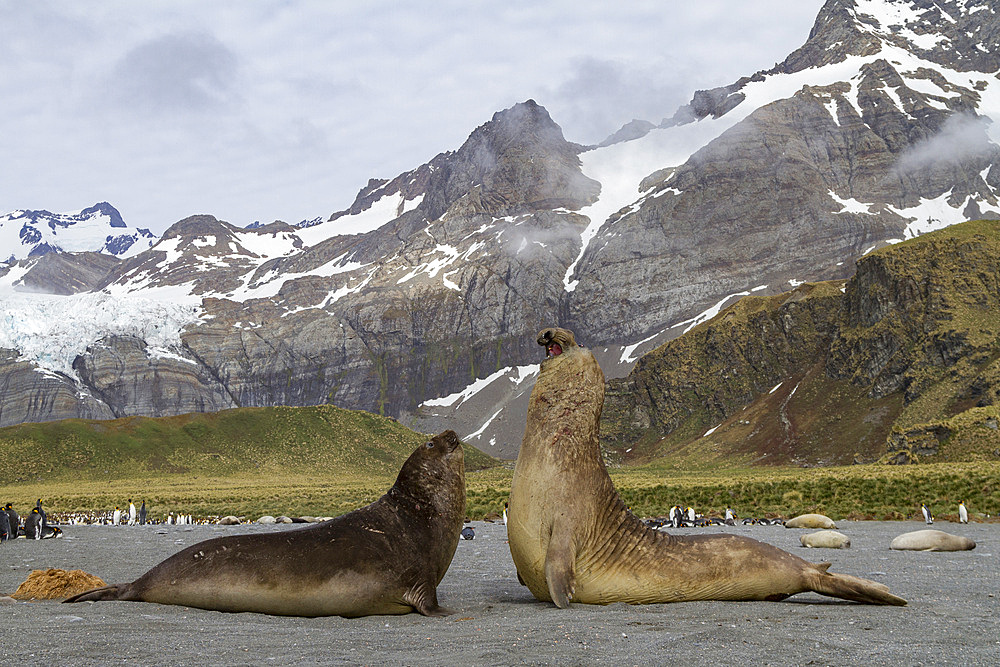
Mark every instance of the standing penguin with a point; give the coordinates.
(116, 517)
(131, 512)
(142, 514)
(690, 514)
(963, 514)
(45, 521)
(33, 525)
(505, 513)
(928, 518)
(13, 519)
(4, 527)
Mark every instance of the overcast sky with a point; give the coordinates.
(270, 110)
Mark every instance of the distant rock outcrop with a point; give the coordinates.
(904, 359)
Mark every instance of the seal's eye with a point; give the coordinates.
(429, 444)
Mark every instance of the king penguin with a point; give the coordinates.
(928, 518)
(142, 514)
(41, 512)
(4, 527)
(963, 514)
(13, 519)
(33, 525)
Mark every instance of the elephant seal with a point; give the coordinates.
(572, 538)
(811, 521)
(931, 540)
(386, 558)
(826, 539)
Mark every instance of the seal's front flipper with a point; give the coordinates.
(112, 592)
(423, 598)
(560, 572)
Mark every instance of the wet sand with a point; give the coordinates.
(952, 616)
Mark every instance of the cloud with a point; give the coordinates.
(962, 137)
(183, 72)
(602, 95)
(270, 109)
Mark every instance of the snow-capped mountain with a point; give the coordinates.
(422, 299)
(99, 228)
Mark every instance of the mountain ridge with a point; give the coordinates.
(435, 281)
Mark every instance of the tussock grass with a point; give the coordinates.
(864, 491)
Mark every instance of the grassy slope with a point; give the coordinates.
(310, 460)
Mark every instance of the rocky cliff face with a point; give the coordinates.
(33, 395)
(803, 182)
(903, 358)
(422, 299)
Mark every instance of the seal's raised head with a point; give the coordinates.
(556, 341)
(435, 472)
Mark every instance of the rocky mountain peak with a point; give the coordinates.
(106, 209)
(961, 34)
(197, 225)
(516, 163)
(520, 162)
(98, 228)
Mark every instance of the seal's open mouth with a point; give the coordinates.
(553, 349)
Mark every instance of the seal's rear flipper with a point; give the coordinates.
(112, 592)
(849, 587)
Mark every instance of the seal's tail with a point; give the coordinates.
(850, 588)
(112, 592)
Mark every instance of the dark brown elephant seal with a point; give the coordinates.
(572, 538)
(386, 558)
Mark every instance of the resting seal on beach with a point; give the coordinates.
(826, 539)
(811, 521)
(386, 558)
(572, 538)
(931, 540)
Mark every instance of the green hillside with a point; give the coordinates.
(321, 441)
(901, 363)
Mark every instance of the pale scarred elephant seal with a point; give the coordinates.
(572, 538)
(931, 540)
(811, 521)
(826, 539)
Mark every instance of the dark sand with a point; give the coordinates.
(952, 617)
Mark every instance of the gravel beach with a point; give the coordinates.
(951, 618)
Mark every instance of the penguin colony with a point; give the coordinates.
(35, 524)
